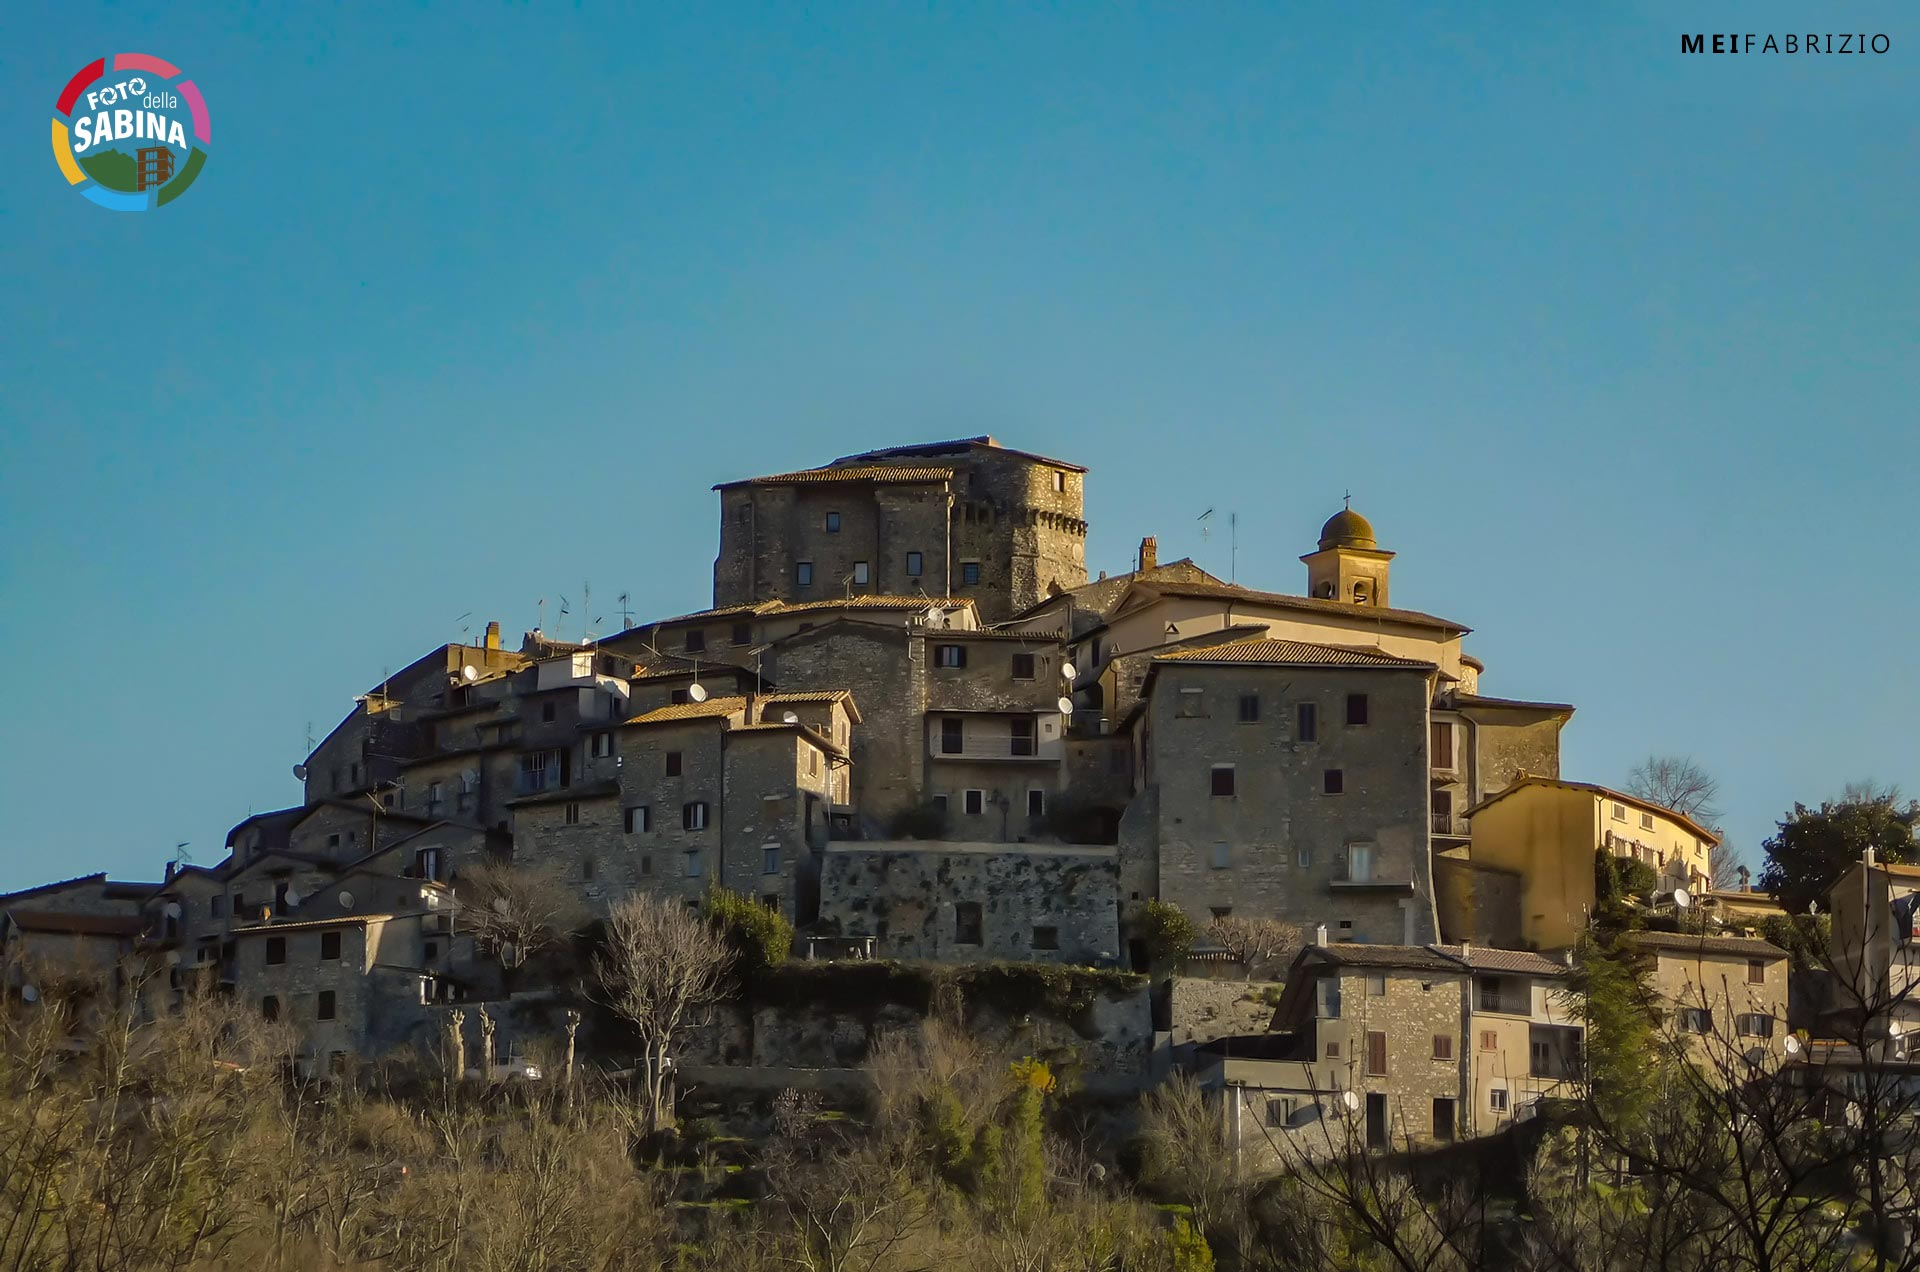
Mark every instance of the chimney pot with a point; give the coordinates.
(493, 635)
(1149, 553)
(1320, 935)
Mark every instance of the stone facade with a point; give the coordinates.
(962, 902)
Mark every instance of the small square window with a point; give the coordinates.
(1646, 821)
(1756, 971)
(953, 735)
(1489, 1040)
(1222, 856)
(639, 819)
(1303, 857)
(693, 864)
(1333, 782)
(1376, 987)
(742, 634)
(324, 1009)
(1356, 708)
(333, 841)
(696, 640)
(1036, 802)
(1249, 708)
(602, 745)
(1059, 481)
(970, 573)
(770, 859)
(1619, 812)
(673, 763)
(693, 816)
(276, 949)
(967, 923)
(861, 577)
(803, 574)
(940, 802)
(1309, 722)
(573, 814)
(1023, 666)
(914, 564)
(950, 656)
(646, 865)
(329, 947)
(1222, 779)
(833, 523)
(1497, 1099)
(976, 803)
(1443, 1046)
(679, 696)
(270, 1008)
(547, 711)
(1333, 1050)
(1696, 1020)
(430, 951)
(1193, 704)
(1046, 938)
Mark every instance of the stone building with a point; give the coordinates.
(968, 518)
(1725, 995)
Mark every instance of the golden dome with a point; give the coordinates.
(1347, 529)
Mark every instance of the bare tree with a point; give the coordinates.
(1261, 946)
(1677, 782)
(515, 912)
(661, 964)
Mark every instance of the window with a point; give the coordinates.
(953, 735)
(673, 763)
(573, 814)
(693, 816)
(1489, 1040)
(1619, 812)
(333, 841)
(833, 523)
(1046, 938)
(1303, 857)
(770, 901)
(433, 797)
(270, 1008)
(1022, 739)
(1356, 708)
(1444, 1126)
(1279, 1112)
(1497, 1099)
(975, 803)
(1376, 1053)
(693, 864)
(547, 711)
(696, 640)
(770, 859)
(329, 947)
(861, 576)
(1756, 971)
(1443, 1046)
(216, 907)
(1440, 742)
(813, 763)
(966, 923)
(1193, 703)
(1059, 481)
(1036, 802)
(913, 565)
(1222, 856)
(1333, 781)
(949, 655)
(742, 634)
(678, 696)
(940, 802)
(803, 574)
(1023, 666)
(276, 949)
(1489, 987)
(1646, 821)
(646, 865)
(430, 951)
(1249, 708)
(324, 1009)
(1360, 862)
(639, 819)
(1697, 1020)
(1309, 717)
(1753, 1025)
(1376, 986)
(970, 573)
(538, 770)
(601, 747)
(588, 868)
(1333, 1050)
(1222, 780)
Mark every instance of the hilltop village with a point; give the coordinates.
(913, 725)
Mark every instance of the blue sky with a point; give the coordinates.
(472, 306)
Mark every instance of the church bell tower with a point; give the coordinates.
(1350, 565)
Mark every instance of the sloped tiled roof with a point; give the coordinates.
(1281, 600)
(848, 472)
(1483, 958)
(1410, 957)
(712, 708)
(1297, 653)
(1688, 943)
(1479, 700)
(1606, 792)
(62, 924)
(58, 885)
(956, 446)
(843, 696)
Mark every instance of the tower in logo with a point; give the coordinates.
(133, 138)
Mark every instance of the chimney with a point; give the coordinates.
(1320, 935)
(1149, 553)
(1466, 948)
(493, 635)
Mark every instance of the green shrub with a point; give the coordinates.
(924, 821)
(761, 938)
(1167, 931)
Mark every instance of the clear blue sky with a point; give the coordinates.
(473, 305)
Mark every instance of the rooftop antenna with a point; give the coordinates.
(1206, 531)
(466, 629)
(541, 605)
(180, 854)
(309, 737)
(586, 608)
(626, 611)
(1233, 537)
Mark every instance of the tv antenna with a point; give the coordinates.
(465, 628)
(626, 611)
(180, 854)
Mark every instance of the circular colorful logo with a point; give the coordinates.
(132, 138)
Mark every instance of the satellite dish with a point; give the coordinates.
(788, 717)
(698, 692)
(470, 673)
(346, 899)
(1065, 705)
(173, 909)
(29, 993)
(300, 772)
(1790, 1044)
(1680, 899)
(1755, 1055)
(292, 898)
(1066, 671)
(1351, 1099)
(173, 958)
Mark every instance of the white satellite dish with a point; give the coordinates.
(300, 772)
(1680, 899)
(1066, 671)
(173, 909)
(1351, 1099)
(29, 993)
(1790, 1044)
(346, 899)
(173, 958)
(292, 898)
(698, 693)
(1065, 705)
(470, 673)
(788, 717)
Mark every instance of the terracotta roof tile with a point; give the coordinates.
(1296, 653)
(1686, 943)
(712, 708)
(1282, 600)
(848, 472)
(62, 924)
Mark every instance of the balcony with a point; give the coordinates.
(1449, 826)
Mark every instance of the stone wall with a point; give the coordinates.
(889, 688)
(1204, 1009)
(910, 896)
(1477, 903)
